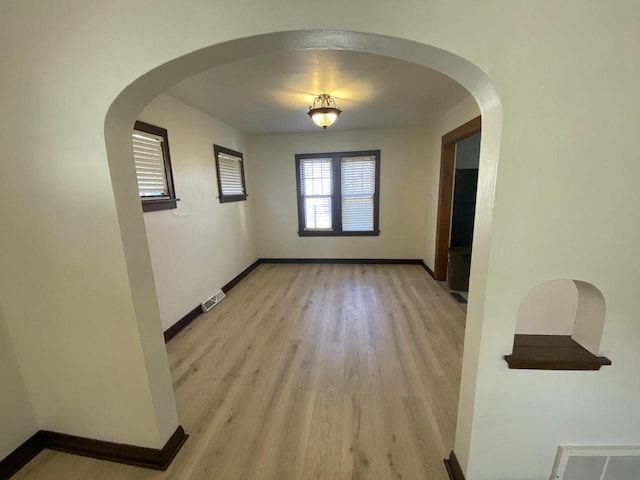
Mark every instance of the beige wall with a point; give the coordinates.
(16, 413)
(402, 195)
(201, 245)
(548, 309)
(559, 145)
(458, 115)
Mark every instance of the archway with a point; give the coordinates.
(125, 108)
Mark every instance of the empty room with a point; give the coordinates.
(268, 240)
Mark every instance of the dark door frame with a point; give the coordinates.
(445, 197)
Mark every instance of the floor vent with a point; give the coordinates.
(597, 463)
(212, 301)
(459, 297)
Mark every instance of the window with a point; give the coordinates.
(230, 169)
(338, 193)
(153, 167)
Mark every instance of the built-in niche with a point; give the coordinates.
(559, 327)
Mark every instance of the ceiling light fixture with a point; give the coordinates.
(324, 111)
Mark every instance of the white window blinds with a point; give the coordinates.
(358, 182)
(316, 186)
(338, 193)
(148, 154)
(230, 171)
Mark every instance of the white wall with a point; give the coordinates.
(16, 413)
(548, 309)
(201, 245)
(458, 115)
(402, 195)
(563, 200)
(77, 286)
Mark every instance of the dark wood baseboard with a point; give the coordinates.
(156, 459)
(181, 324)
(429, 271)
(241, 276)
(177, 327)
(453, 467)
(17, 459)
(357, 261)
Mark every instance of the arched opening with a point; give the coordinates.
(548, 309)
(559, 327)
(130, 102)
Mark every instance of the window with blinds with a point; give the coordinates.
(230, 170)
(316, 179)
(149, 160)
(338, 193)
(358, 178)
(153, 166)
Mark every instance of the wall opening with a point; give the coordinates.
(445, 239)
(559, 327)
(124, 110)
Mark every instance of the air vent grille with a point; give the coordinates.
(597, 463)
(212, 301)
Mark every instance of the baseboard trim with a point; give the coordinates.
(156, 459)
(12, 463)
(181, 324)
(357, 261)
(241, 276)
(453, 467)
(429, 271)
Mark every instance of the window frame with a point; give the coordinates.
(336, 195)
(168, 202)
(217, 149)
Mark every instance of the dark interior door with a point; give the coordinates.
(464, 207)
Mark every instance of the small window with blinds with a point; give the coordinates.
(316, 181)
(338, 193)
(230, 170)
(153, 167)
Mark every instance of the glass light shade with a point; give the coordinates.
(324, 111)
(324, 117)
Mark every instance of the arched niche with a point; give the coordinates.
(548, 309)
(559, 327)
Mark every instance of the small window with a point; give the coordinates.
(153, 167)
(316, 179)
(230, 170)
(338, 193)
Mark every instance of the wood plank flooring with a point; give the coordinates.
(310, 372)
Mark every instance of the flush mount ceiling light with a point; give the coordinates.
(324, 111)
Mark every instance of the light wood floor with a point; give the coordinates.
(310, 372)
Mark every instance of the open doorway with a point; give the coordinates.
(131, 102)
(456, 206)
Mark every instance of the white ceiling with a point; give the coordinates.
(271, 93)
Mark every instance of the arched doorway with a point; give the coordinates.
(124, 109)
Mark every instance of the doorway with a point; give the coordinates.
(456, 202)
(125, 108)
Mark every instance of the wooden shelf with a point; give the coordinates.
(552, 352)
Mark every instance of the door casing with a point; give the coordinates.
(445, 196)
